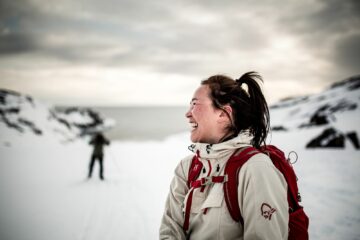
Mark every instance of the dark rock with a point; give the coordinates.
(329, 138)
(352, 136)
(9, 111)
(63, 121)
(351, 83)
(4, 93)
(11, 125)
(278, 128)
(325, 114)
(319, 119)
(343, 105)
(290, 101)
(84, 128)
(31, 125)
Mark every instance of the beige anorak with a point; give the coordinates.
(262, 195)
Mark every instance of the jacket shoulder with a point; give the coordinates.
(186, 161)
(259, 159)
(260, 166)
(183, 166)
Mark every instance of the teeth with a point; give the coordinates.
(194, 125)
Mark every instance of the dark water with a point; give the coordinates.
(144, 123)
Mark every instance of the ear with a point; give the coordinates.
(225, 114)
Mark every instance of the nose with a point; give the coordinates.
(188, 113)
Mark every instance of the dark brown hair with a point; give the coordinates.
(249, 108)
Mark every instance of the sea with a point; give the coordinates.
(144, 123)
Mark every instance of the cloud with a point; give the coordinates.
(319, 18)
(312, 42)
(329, 29)
(16, 43)
(347, 53)
(154, 27)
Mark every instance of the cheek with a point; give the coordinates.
(207, 119)
(204, 115)
(197, 112)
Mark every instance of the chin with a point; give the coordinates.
(193, 138)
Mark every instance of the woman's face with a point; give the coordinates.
(204, 118)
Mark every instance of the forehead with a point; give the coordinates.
(202, 93)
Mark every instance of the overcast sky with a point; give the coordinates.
(132, 52)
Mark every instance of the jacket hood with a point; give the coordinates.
(220, 150)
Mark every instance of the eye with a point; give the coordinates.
(192, 103)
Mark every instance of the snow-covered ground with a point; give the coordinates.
(44, 192)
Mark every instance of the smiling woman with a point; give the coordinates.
(225, 120)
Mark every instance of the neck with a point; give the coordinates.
(227, 136)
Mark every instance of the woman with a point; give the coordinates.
(225, 116)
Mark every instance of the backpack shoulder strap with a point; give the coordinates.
(232, 169)
(281, 163)
(298, 220)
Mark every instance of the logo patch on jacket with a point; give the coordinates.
(267, 211)
(196, 167)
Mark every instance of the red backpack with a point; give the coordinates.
(298, 221)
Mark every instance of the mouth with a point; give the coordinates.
(193, 125)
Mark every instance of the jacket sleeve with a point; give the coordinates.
(173, 218)
(262, 194)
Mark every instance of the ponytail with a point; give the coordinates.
(250, 110)
(259, 111)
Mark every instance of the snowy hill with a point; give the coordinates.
(21, 114)
(45, 193)
(332, 116)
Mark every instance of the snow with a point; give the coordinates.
(45, 194)
(329, 186)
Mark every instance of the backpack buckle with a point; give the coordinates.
(206, 181)
(213, 179)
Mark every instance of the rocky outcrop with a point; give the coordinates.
(329, 138)
(278, 128)
(336, 110)
(23, 114)
(333, 138)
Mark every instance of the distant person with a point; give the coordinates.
(226, 118)
(98, 154)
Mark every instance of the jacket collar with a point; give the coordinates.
(223, 149)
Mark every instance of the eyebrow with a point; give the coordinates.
(193, 99)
